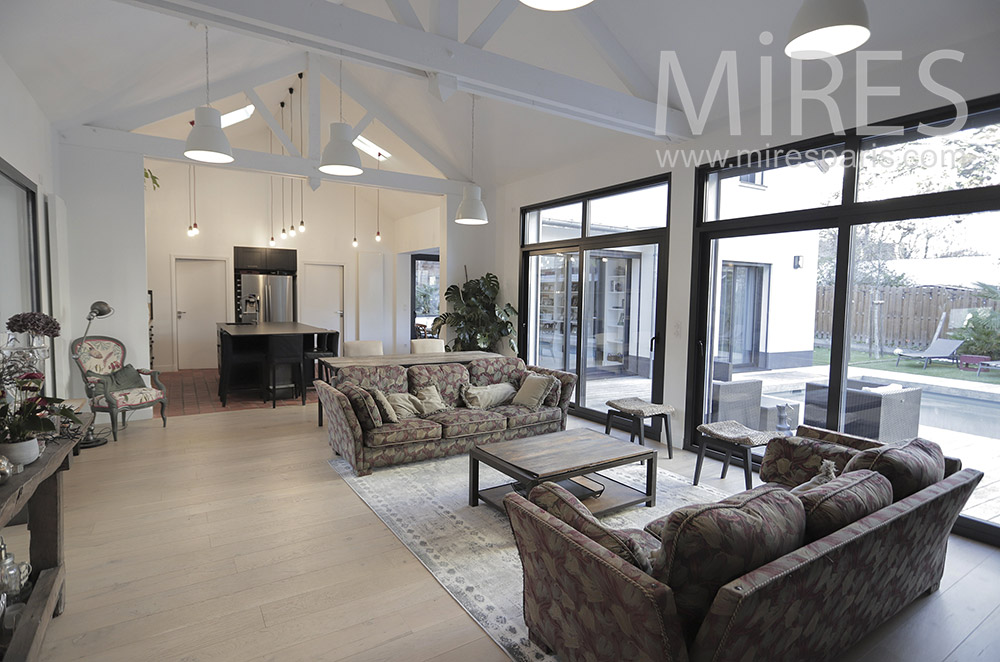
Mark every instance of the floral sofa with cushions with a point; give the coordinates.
(355, 436)
(765, 574)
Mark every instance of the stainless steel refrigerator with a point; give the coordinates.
(273, 298)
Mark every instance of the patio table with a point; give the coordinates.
(987, 365)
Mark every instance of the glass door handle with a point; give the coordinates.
(652, 342)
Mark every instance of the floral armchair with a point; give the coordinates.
(101, 357)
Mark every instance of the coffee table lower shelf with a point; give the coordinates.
(616, 495)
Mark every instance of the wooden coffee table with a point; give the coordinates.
(559, 456)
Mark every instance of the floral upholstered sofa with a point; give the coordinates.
(366, 443)
(768, 574)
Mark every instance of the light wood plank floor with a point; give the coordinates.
(226, 536)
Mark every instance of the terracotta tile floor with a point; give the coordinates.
(196, 392)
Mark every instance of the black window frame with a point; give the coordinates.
(585, 242)
(843, 217)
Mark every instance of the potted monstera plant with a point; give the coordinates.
(24, 411)
(476, 319)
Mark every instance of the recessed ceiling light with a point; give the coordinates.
(237, 116)
(371, 149)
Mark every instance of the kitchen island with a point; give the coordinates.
(243, 350)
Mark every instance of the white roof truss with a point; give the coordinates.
(357, 36)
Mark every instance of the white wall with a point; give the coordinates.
(974, 78)
(233, 211)
(107, 237)
(26, 139)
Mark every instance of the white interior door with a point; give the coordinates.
(201, 303)
(321, 300)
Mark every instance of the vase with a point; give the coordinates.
(21, 452)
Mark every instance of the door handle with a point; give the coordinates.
(181, 312)
(652, 341)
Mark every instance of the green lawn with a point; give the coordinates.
(821, 356)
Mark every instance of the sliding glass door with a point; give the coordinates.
(592, 291)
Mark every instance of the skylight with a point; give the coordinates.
(237, 116)
(370, 148)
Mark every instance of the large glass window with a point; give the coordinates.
(878, 316)
(554, 223)
(914, 164)
(426, 293)
(553, 303)
(923, 341)
(813, 178)
(765, 349)
(590, 305)
(641, 209)
(619, 324)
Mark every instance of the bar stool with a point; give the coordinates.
(637, 410)
(327, 346)
(285, 349)
(731, 436)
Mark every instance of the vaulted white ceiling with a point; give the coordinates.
(111, 64)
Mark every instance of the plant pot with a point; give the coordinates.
(20, 452)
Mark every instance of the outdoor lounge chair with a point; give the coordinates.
(942, 348)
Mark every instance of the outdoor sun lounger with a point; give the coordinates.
(942, 348)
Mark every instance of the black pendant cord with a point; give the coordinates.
(283, 233)
(302, 150)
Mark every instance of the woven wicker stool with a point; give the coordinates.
(731, 436)
(637, 410)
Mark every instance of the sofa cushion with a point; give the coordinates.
(488, 396)
(363, 404)
(521, 417)
(845, 499)
(448, 377)
(910, 466)
(791, 461)
(496, 370)
(534, 389)
(385, 408)
(386, 378)
(631, 545)
(464, 422)
(406, 431)
(707, 546)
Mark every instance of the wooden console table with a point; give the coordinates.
(39, 487)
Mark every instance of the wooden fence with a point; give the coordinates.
(899, 316)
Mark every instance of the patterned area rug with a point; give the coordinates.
(471, 551)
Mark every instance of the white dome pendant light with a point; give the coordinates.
(471, 210)
(555, 5)
(206, 142)
(827, 28)
(341, 157)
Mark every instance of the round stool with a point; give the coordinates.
(731, 436)
(637, 410)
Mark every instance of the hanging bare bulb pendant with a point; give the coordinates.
(271, 243)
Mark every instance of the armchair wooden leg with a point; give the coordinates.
(114, 424)
(163, 412)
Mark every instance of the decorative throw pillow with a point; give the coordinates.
(533, 390)
(910, 466)
(363, 404)
(485, 397)
(707, 546)
(385, 408)
(561, 503)
(827, 472)
(552, 399)
(122, 379)
(843, 500)
(406, 405)
(791, 461)
(430, 399)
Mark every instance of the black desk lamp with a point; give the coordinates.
(98, 309)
